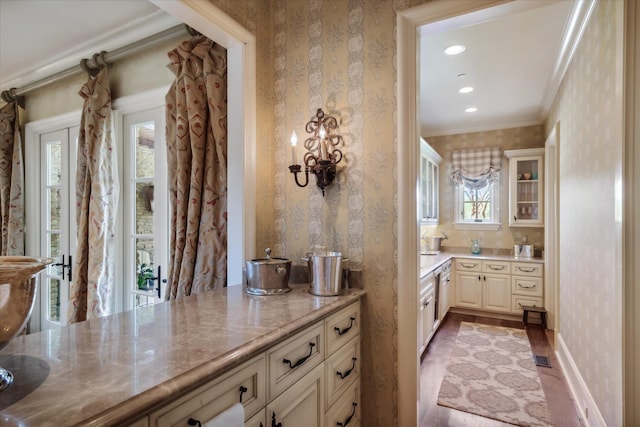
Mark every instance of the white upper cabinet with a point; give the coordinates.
(428, 201)
(526, 184)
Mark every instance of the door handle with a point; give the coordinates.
(63, 265)
(160, 281)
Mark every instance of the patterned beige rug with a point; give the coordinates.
(491, 373)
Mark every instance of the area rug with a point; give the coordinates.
(491, 373)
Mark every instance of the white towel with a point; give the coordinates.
(232, 417)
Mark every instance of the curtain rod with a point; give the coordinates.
(114, 55)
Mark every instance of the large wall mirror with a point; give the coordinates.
(240, 44)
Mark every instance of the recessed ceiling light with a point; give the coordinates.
(466, 89)
(471, 109)
(455, 49)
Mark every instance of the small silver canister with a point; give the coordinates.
(268, 276)
(325, 272)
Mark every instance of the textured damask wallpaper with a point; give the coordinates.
(339, 56)
(587, 107)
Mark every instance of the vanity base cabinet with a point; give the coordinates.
(496, 292)
(302, 404)
(245, 383)
(296, 382)
(498, 286)
(468, 290)
(346, 410)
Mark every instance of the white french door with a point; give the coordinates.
(145, 190)
(58, 151)
(142, 219)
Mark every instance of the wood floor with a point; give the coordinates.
(434, 364)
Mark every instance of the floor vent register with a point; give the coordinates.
(542, 361)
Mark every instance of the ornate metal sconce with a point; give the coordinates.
(322, 154)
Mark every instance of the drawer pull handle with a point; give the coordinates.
(348, 420)
(526, 287)
(273, 421)
(525, 270)
(493, 267)
(345, 330)
(347, 373)
(194, 422)
(468, 265)
(300, 361)
(243, 390)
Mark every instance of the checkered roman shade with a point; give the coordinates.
(476, 167)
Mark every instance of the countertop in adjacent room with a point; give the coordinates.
(108, 371)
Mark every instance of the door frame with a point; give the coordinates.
(212, 22)
(551, 228)
(408, 22)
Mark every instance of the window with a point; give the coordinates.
(477, 207)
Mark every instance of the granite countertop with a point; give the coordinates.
(112, 370)
(428, 263)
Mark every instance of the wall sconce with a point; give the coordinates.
(322, 154)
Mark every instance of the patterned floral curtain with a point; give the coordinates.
(91, 293)
(197, 156)
(11, 182)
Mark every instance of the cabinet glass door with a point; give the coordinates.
(527, 197)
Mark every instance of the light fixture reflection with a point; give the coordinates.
(455, 49)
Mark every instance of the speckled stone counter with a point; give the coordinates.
(429, 263)
(113, 370)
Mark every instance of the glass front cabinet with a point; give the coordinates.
(526, 185)
(428, 201)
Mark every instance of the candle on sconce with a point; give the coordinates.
(294, 143)
(323, 145)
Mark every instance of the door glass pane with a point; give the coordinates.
(54, 300)
(145, 268)
(144, 208)
(145, 147)
(54, 245)
(54, 154)
(54, 209)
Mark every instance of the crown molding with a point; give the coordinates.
(121, 36)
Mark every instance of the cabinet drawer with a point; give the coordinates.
(290, 360)
(341, 327)
(341, 369)
(346, 410)
(527, 269)
(498, 267)
(468, 265)
(531, 286)
(517, 301)
(203, 404)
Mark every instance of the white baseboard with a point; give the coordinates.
(588, 409)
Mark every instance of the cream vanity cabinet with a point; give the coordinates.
(309, 379)
(526, 185)
(526, 286)
(426, 311)
(429, 164)
(482, 284)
